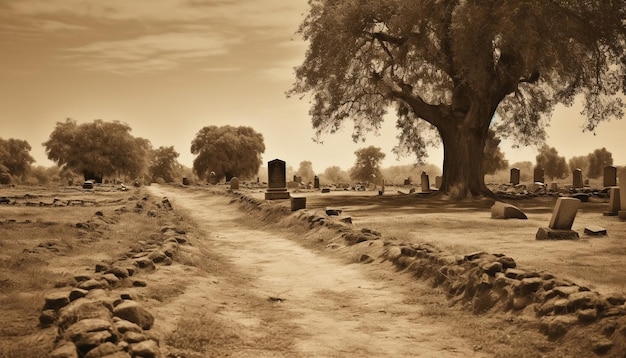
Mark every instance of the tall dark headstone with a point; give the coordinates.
(514, 176)
(277, 180)
(539, 175)
(234, 183)
(425, 183)
(316, 182)
(577, 178)
(438, 181)
(622, 194)
(610, 176)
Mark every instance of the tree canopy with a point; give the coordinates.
(306, 171)
(227, 151)
(367, 164)
(554, 166)
(447, 67)
(494, 157)
(164, 164)
(598, 159)
(97, 148)
(15, 158)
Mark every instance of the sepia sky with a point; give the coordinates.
(168, 68)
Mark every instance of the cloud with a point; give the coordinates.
(149, 53)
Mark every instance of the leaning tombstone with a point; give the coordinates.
(562, 220)
(614, 202)
(538, 175)
(425, 183)
(501, 210)
(234, 183)
(577, 180)
(514, 176)
(277, 180)
(622, 194)
(610, 176)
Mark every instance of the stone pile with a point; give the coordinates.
(98, 317)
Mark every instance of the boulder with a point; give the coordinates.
(133, 312)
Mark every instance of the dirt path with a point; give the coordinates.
(268, 296)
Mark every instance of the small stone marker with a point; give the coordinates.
(554, 187)
(277, 180)
(595, 230)
(538, 175)
(515, 174)
(622, 194)
(577, 180)
(333, 211)
(213, 178)
(501, 210)
(234, 183)
(610, 176)
(425, 183)
(562, 220)
(298, 203)
(325, 190)
(614, 202)
(185, 181)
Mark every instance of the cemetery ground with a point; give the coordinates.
(249, 278)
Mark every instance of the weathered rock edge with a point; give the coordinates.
(481, 282)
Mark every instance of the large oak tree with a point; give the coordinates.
(227, 151)
(97, 149)
(447, 66)
(15, 158)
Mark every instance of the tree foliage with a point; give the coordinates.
(98, 148)
(306, 171)
(598, 159)
(553, 165)
(335, 174)
(164, 164)
(494, 157)
(447, 66)
(580, 162)
(367, 164)
(15, 158)
(228, 151)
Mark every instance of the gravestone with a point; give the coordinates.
(614, 202)
(298, 203)
(554, 187)
(382, 187)
(577, 176)
(514, 176)
(185, 181)
(563, 216)
(234, 183)
(501, 210)
(610, 176)
(438, 180)
(425, 183)
(539, 175)
(407, 181)
(277, 180)
(212, 178)
(316, 182)
(622, 194)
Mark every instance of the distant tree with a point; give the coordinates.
(598, 159)
(581, 162)
(335, 175)
(368, 162)
(453, 64)
(525, 168)
(553, 165)
(164, 164)
(306, 171)
(493, 159)
(15, 158)
(43, 175)
(98, 149)
(228, 151)
(396, 174)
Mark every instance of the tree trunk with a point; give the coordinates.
(464, 138)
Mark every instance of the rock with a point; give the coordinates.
(111, 279)
(157, 256)
(47, 318)
(88, 325)
(595, 230)
(104, 350)
(124, 326)
(64, 350)
(602, 346)
(56, 301)
(145, 263)
(333, 211)
(80, 309)
(555, 327)
(587, 315)
(501, 210)
(133, 312)
(102, 267)
(134, 337)
(507, 262)
(146, 349)
(77, 293)
(91, 284)
(530, 285)
(544, 233)
(139, 283)
(491, 268)
(119, 272)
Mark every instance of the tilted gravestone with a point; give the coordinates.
(425, 183)
(563, 216)
(277, 180)
(501, 210)
(539, 175)
(234, 183)
(577, 178)
(622, 194)
(610, 176)
(515, 174)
